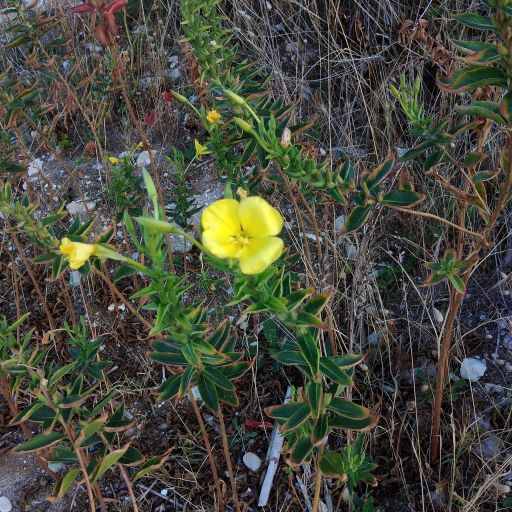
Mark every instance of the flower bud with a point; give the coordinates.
(246, 127)
(286, 138)
(235, 98)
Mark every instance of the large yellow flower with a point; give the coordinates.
(245, 231)
(76, 253)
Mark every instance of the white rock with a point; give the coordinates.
(35, 167)
(5, 504)
(143, 159)
(438, 316)
(252, 461)
(472, 369)
(339, 223)
(174, 74)
(56, 467)
(77, 207)
(173, 60)
(123, 154)
(179, 244)
(75, 278)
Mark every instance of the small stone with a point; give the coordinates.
(75, 278)
(98, 166)
(179, 244)
(374, 338)
(501, 488)
(5, 504)
(489, 447)
(252, 461)
(507, 341)
(128, 415)
(472, 369)
(143, 159)
(500, 362)
(123, 154)
(78, 207)
(56, 467)
(35, 167)
(164, 492)
(173, 60)
(339, 223)
(508, 367)
(438, 316)
(174, 74)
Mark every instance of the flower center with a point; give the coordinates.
(241, 239)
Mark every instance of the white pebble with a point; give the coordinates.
(252, 461)
(472, 369)
(5, 504)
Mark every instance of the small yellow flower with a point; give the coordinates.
(213, 116)
(200, 149)
(140, 145)
(245, 231)
(113, 160)
(76, 253)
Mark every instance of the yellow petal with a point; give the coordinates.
(259, 253)
(220, 245)
(213, 116)
(258, 218)
(76, 253)
(200, 149)
(220, 223)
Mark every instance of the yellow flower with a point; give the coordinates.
(200, 149)
(113, 160)
(245, 231)
(76, 253)
(213, 116)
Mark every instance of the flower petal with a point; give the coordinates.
(259, 253)
(258, 218)
(220, 223)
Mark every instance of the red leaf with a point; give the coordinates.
(167, 96)
(150, 118)
(117, 5)
(83, 8)
(255, 424)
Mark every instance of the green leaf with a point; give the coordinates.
(334, 372)
(132, 457)
(473, 158)
(476, 21)
(63, 484)
(457, 283)
(284, 411)
(403, 198)
(378, 174)
(320, 429)
(309, 347)
(152, 464)
(217, 378)
(506, 107)
(300, 416)
(90, 429)
(39, 442)
(301, 452)
(331, 464)
(234, 371)
(305, 319)
(479, 51)
(357, 217)
(485, 109)
(209, 394)
(169, 388)
(314, 396)
(480, 176)
(289, 357)
(316, 303)
(469, 79)
(352, 424)
(60, 373)
(348, 409)
(107, 462)
(186, 379)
